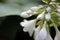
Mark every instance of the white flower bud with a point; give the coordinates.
(48, 16)
(40, 16)
(48, 9)
(58, 9)
(29, 12)
(34, 9)
(26, 14)
(42, 34)
(53, 0)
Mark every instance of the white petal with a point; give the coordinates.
(42, 34)
(29, 12)
(57, 37)
(25, 29)
(24, 15)
(58, 8)
(53, 0)
(49, 37)
(34, 9)
(40, 16)
(37, 30)
(24, 23)
(48, 9)
(48, 16)
(29, 26)
(38, 37)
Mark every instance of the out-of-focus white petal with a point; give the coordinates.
(53, 0)
(23, 23)
(29, 12)
(37, 37)
(57, 37)
(48, 9)
(34, 9)
(58, 8)
(40, 16)
(42, 34)
(37, 30)
(24, 15)
(29, 26)
(48, 16)
(48, 37)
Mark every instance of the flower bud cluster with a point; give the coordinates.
(41, 32)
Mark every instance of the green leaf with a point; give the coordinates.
(13, 9)
(6, 10)
(46, 1)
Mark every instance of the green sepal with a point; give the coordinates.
(46, 1)
(55, 20)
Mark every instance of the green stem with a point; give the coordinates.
(48, 29)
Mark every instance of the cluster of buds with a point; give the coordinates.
(47, 15)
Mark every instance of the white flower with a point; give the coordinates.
(57, 37)
(26, 14)
(42, 34)
(30, 12)
(48, 37)
(34, 9)
(29, 26)
(36, 31)
(53, 0)
(58, 9)
(48, 16)
(48, 9)
(41, 16)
